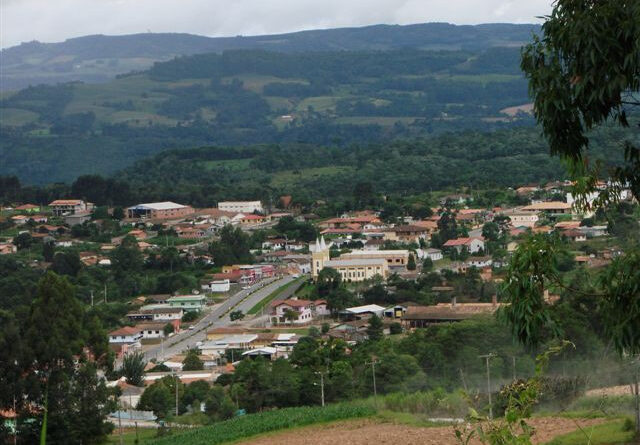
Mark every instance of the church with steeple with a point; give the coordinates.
(350, 269)
(319, 257)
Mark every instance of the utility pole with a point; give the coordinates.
(177, 380)
(91, 297)
(373, 373)
(513, 357)
(15, 425)
(120, 425)
(15, 413)
(635, 389)
(464, 382)
(321, 374)
(487, 357)
(105, 293)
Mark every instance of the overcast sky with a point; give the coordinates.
(57, 20)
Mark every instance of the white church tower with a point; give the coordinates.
(319, 256)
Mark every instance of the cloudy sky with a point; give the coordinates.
(56, 20)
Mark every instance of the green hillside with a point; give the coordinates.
(55, 133)
(98, 58)
(468, 160)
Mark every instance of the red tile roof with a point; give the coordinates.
(127, 330)
(65, 202)
(460, 242)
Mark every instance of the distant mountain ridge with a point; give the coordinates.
(98, 58)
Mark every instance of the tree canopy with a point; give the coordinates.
(583, 71)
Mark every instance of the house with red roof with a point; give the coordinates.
(306, 310)
(28, 208)
(473, 244)
(126, 335)
(252, 219)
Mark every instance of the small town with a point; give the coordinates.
(239, 282)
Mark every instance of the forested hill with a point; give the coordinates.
(98, 58)
(245, 97)
(469, 160)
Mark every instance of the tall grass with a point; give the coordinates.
(436, 403)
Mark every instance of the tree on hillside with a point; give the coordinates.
(232, 248)
(291, 315)
(157, 398)
(328, 281)
(66, 263)
(491, 231)
(133, 368)
(56, 371)
(584, 71)
(127, 258)
(411, 263)
(192, 362)
(23, 240)
(374, 330)
(447, 226)
(236, 315)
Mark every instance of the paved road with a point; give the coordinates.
(246, 305)
(245, 299)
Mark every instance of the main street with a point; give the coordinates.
(243, 300)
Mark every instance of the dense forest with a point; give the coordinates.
(338, 176)
(245, 97)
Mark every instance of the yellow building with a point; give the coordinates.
(350, 269)
(392, 257)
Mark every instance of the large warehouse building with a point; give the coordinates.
(159, 210)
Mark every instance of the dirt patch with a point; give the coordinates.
(621, 390)
(513, 111)
(369, 432)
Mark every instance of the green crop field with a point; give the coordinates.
(383, 121)
(254, 424)
(16, 116)
(618, 432)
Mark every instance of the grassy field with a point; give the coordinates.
(617, 432)
(375, 120)
(288, 178)
(144, 435)
(231, 164)
(256, 82)
(319, 103)
(259, 306)
(16, 117)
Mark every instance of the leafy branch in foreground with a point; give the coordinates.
(584, 71)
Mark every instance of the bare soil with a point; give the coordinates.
(621, 390)
(370, 432)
